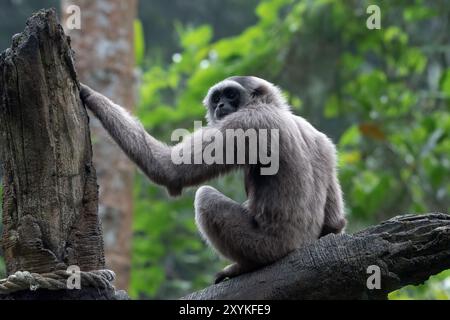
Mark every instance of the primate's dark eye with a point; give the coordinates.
(216, 97)
(231, 93)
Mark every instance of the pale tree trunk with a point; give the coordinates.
(105, 61)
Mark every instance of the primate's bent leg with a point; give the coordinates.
(231, 230)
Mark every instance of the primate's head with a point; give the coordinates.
(235, 93)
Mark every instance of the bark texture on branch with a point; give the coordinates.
(50, 198)
(408, 249)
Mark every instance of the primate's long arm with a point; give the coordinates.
(153, 157)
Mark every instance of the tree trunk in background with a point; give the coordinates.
(50, 190)
(105, 61)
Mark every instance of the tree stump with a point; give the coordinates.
(50, 199)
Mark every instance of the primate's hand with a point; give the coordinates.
(85, 92)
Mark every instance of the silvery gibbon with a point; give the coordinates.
(298, 204)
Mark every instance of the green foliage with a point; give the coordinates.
(139, 42)
(437, 288)
(382, 95)
(226, 17)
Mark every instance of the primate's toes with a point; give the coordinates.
(220, 277)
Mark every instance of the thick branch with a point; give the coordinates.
(408, 249)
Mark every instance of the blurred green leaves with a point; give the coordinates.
(139, 42)
(445, 85)
(417, 12)
(437, 288)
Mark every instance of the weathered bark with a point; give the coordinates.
(50, 199)
(105, 61)
(408, 250)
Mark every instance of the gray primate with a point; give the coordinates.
(299, 204)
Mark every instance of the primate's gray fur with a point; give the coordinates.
(299, 204)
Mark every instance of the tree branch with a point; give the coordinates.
(408, 249)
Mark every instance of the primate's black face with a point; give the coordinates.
(224, 101)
